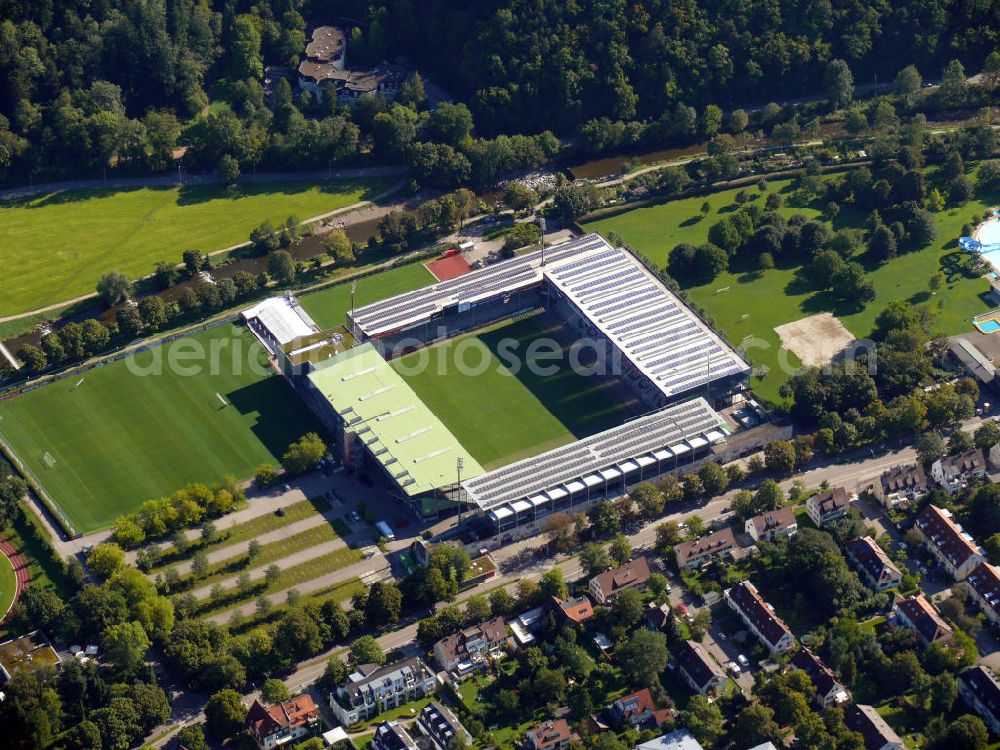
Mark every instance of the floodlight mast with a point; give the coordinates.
(459, 464)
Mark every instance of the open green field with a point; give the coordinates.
(8, 584)
(753, 304)
(121, 438)
(500, 415)
(54, 247)
(329, 307)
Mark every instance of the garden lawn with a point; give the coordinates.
(329, 307)
(747, 307)
(122, 438)
(54, 247)
(499, 416)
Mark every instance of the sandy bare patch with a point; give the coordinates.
(815, 340)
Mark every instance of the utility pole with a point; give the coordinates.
(459, 464)
(354, 288)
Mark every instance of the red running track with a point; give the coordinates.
(20, 571)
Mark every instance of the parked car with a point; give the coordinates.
(734, 668)
(744, 661)
(354, 516)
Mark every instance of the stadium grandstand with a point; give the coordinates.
(514, 499)
(377, 418)
(663, 350)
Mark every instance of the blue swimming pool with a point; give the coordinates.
(989, 326)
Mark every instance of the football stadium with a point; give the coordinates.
(658, 354)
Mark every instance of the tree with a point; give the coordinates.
(737, 121)
(199, 564)
(228, 169)
(385, 603)
(987, 435)
(339, 246)
(552, 583)
(649, 499)
(304, 454)
(244, 58)
(281, 267)
(225, 714)
(253, 550)
(755, 726)
(703, 719)
(274, 691)
(930, 447)
(882, 244)
(769, 496)
(621, 549)
(838, 83)
(106, 559)
(125, 644)
(561, 531)
(667, 535)
(594, 558)
(643, 656)
(366, 650)
(192, 737)
(713, 478)
(953, 88)
(113, 287)
(967, 732)
(518, 196)
(628, 608)
(907, 85)
(32, 358)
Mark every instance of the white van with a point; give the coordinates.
(385, 531)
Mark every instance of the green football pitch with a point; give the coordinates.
(54, 247)
(102, 446)
(502, 414)
(8, 584)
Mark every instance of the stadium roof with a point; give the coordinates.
(399, 430)
(617, 294)
(641, 442)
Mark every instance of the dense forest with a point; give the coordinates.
(91, 84)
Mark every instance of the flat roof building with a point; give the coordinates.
(376, 416)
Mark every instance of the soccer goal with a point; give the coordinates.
(48, 460)
(222, 403)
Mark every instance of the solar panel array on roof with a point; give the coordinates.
(615, 292)
(664, 430)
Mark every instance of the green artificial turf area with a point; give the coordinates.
(55, 247)
(329, 307)
(752, 304)
(119, 438)
(8, 584)
(500, 415)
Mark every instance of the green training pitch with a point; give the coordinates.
(329, 307)
(54, 247)
(500, 415)
(8, 584)
(103, 446)
(749, 305)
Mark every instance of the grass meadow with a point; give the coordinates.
(54, 247)
(752, 304)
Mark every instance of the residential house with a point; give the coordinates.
(954, 548)
(980, 690)
(391, 735)
(829, 692)
(984, 588)
(550, 735)
(876, 568)
(525, 625)
(878, 735)
(760, 617)
(271, 726)
(917, 614)
(440, 725)
(696, 553)
(954, 473)
(658, 617)
(698, 668)
(372, 689)
(605, 587)
(828, 505)
(471, 648)
(680, 739)
(576, 610)
(901, 485)
(773, 524)
(637, 709)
